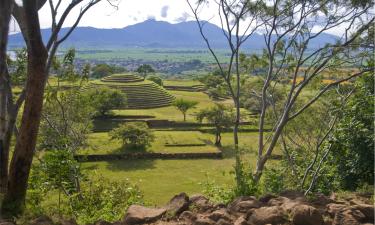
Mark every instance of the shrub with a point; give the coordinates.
(104, 99)
(104, 199)
(133, 134)
(156, 79)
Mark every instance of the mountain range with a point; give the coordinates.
(155, 34)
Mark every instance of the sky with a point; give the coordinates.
(130, 12)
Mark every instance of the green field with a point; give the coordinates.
(152, 54)
(161, 179)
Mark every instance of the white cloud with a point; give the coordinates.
(164, 11)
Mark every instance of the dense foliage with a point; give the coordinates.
(156, 79)
(104, 99)
(353, 139)
(145, 69)
(133, 135)
(103, 70)
(220, 116)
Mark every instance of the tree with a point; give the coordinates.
(133, 134)
(353, 138)
(184, 105)
(104, 99)
(239, 21)
(144, 69)
(40, 57)
(290, 30)
(6, 125)
(103, 70)
(220, 116)
(156, 79)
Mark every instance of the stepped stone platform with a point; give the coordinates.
(141, 94)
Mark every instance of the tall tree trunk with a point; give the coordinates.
(14, 198)
(5, 15)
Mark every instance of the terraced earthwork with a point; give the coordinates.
(141, 94)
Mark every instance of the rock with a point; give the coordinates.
(306, 215)
(139, 214)
(367, 210)
(188, 216)
(266, 215)
(178, 204)
(278, 201)
(43, 220)
(348, 217)
(220, 214)
(200, 203)
(241, 221)
(322, 200)
(102, 222)
(266, 198)
(223, 222)
(334, 208)
(204, 221)
(244, 204)
(6, 223)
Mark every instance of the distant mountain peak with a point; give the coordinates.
(154, 33)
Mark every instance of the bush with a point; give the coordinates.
(104, 99)
(133, 134)
(155, 79)
(104, 199)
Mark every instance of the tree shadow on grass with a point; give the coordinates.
(131, 165)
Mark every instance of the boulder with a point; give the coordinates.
(223, 222)
(244, 204)
(220, 214)
(241, 221)
(188, 216)
(178, 204)
(201, 220)
(138, 214)
(200, 203)
(266, 215)
(266, 198)
(367, 210)
(306, 215)
(334, 208)
(348, 217)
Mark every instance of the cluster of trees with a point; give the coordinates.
(103, 70)
(283, 84)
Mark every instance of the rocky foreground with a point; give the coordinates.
(290, 208)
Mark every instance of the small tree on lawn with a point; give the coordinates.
(104, 99)
(133, 134)
(156, 79)
(221, 116)
(184, 105)
(144, 69)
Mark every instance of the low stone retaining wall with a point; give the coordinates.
(148, 155)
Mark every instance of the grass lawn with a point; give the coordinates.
(161, 179)
(101, 143)
(182, 83)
